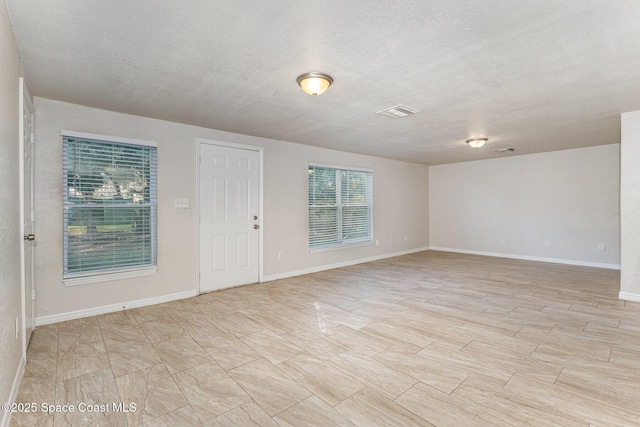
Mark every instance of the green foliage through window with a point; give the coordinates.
(109, 206)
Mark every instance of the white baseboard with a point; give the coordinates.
(629, 297)
(71, 315)
(6, 417)
(530, 258)
(288, 274)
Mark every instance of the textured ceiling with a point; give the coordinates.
(534, 75)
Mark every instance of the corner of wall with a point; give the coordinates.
(11, 357)
(629, 205)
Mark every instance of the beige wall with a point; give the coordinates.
(10, 289)
(400, 207)
(630, 206)
(569, 198)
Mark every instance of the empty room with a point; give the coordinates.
(302, 213)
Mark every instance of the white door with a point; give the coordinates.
(229, 203)
(28, 215)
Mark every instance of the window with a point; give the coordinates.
(340, 206)
(109, 191)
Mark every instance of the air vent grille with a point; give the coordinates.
(397, 111)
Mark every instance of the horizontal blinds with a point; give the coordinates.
(109, 206)
(356, 205)
(340, 206)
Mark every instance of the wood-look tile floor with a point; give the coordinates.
(420, 340)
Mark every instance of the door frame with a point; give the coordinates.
(25, 95)
(260, 150)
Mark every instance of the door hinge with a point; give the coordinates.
(32, 138)
(33, 216)
(33, 294)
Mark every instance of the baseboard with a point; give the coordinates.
(71, 315)
(6, 417)
(629, 297)
(530, 258)
(288, 274)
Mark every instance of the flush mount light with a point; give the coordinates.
(314, 83)
(476, 142)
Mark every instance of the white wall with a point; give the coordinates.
(10, 288)
(630, 206)
(400, 207)
(569, 197)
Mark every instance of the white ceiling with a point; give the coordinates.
(534, 75)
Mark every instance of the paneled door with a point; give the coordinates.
(229, 209)
(28, 215)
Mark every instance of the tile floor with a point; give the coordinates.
(420, 340)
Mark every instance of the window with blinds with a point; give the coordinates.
(340, 206)
(109, 205)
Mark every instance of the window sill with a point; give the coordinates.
(340, 246)
(106, 277)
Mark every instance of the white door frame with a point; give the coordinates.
(25, 96)
(260, 150)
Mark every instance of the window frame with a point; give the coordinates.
(96, 276)
(340, 243)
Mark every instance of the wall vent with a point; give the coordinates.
(398, 111)
(504, 150)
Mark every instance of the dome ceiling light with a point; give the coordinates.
(476, 142)
(314, 82)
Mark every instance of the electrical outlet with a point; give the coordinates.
(405, 238)
(181, 203)
(546, 243)
(280, 256)
(503, 240)
(601, 247)
(377, 242)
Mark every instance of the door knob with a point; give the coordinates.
(30, 237)
(256, 226)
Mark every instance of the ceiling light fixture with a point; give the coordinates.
(476, 142)
(314, 83)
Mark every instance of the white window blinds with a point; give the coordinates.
(109, 206)
(340, 206)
